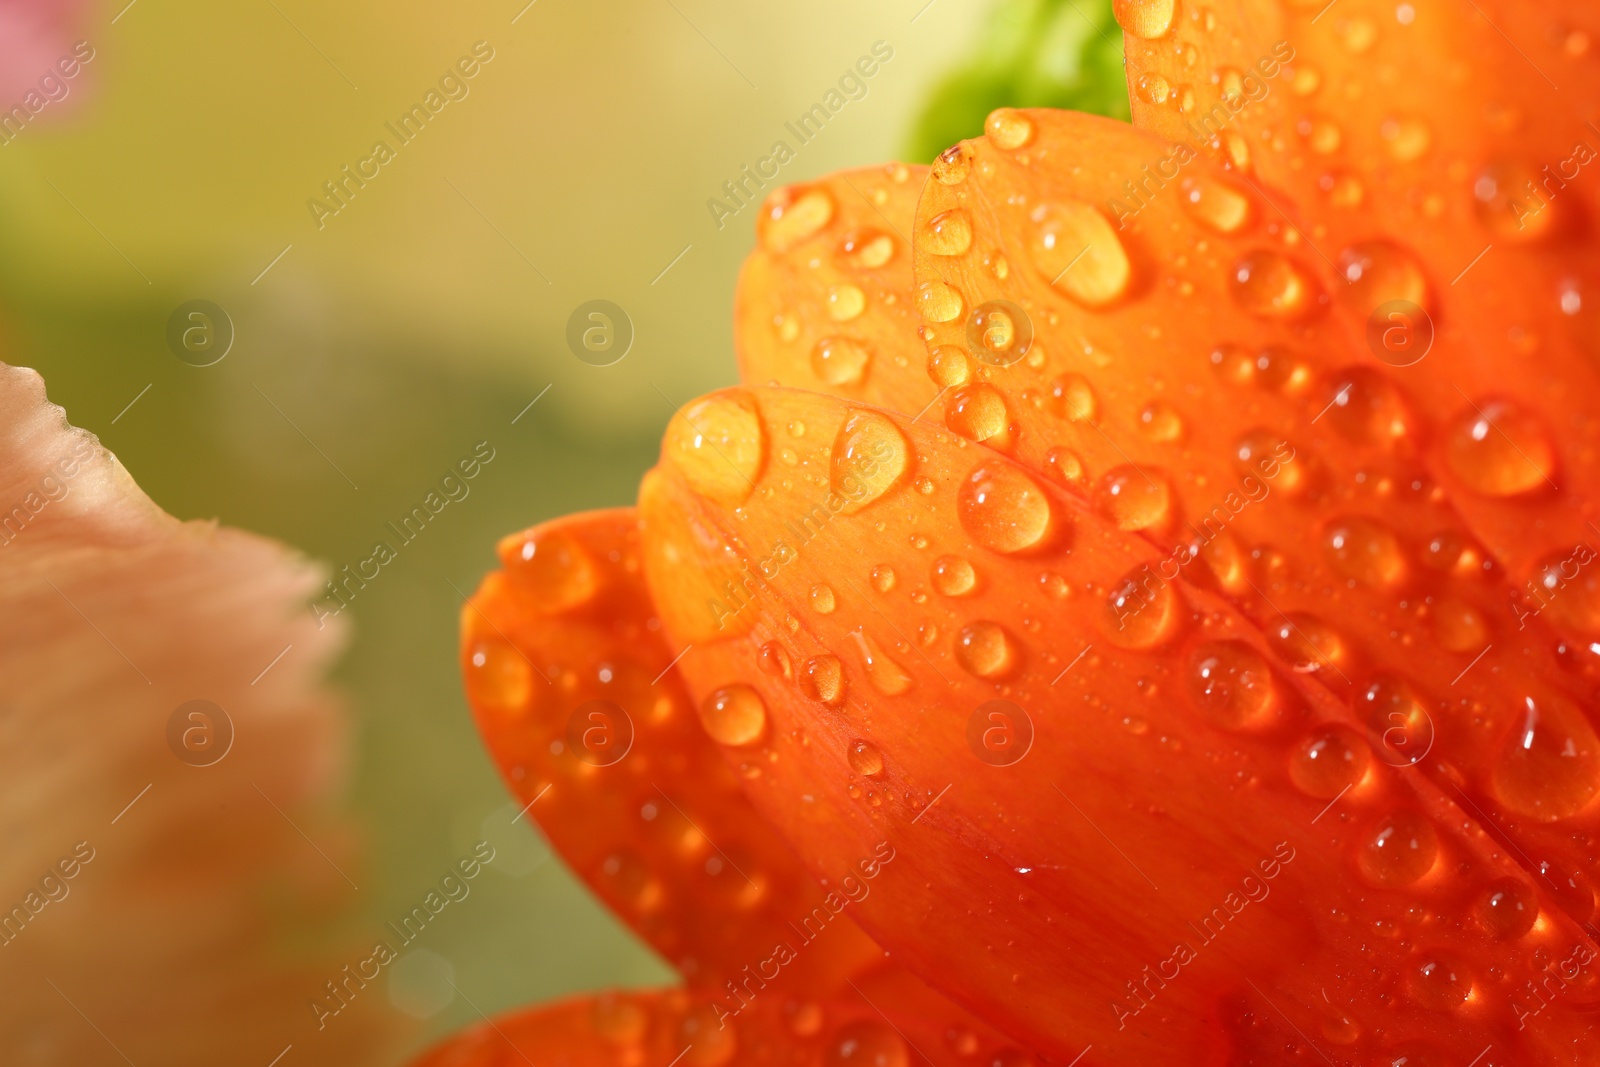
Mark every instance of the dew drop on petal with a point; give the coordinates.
(1077, 251)
(1231, 684)
(840, 360)
(1499, 449)
(1008, 129)
(822, 679)
(938, 301)
(1397, 849)
(1006, 511)
(866, 1043)
(845, 302)
(734, 715)
(948, 233)
(1214, 204)
(1140, 612)
(1548, 768)
(883, 673)
(986, 649)
(865, 758)
(718, 446)
(952, 166)
(822, 599)
(1270, 285)
(1367, 409)
(1365, 552)
(870, 456)
(1134, 499)
(978, 412)
(498, 678)
(1145, 19)
(1376, 272)
(553, 568)
(1507, 908)
(792, 214)
(1328, 760)
(954, 576)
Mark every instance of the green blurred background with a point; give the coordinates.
(428, 313)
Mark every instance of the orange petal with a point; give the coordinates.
(1460, 188)
(829, 305)
(636, 1029)
(165, 719)
(1204, 414)
(1061, 790)
(573, 686)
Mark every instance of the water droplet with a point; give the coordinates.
(1160, 422)
(987, 650)
(1134, 499)
(866, 249)
(1147, 19)
(1440, 981)
(1507, 908)
(948, 233)
(1076, 250)
(1054, 586)
(734, 715)
(1498, 449)
(774, 660)
(1270, 285)
(840, 361)
(1408, 139)
(498, 678)
(1008, 129)
(1005, 511)
(978, 412)
(1367, 408)
(552, 567)
(938, 302)
(1308, 643)
(1398, 849)
(1328, 760)
(1397, 718)
(949, 367)
(1569, 590)
(822, 599)
(845, 302)
(1154, 88)
(1065, 466)
(870, 457)
(1459, 626)
(1233, 365)
(883, 578)
(717, 445)
(1377, 272)
(866, 1043)
(1140, 612)
(1231, 684)
(822, 679)
(1266, 454)
(999, 332)
(952, 165)
(1365, 551)
(791, 215)
(1504, 206)
(1214, 204)
(883, 673)
(1549, 766)
(954, 576)
(1073, 398)
(865, 759)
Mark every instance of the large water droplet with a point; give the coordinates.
(1506, 207)
(978, 412)
(938, 302)
(1440, 981)
(1147, 19)
(865, 759)
(717, 444)
(883, 673)
(948, 233)
(952, 166)
(1231, 684)
(954, 576)
(1498, 449)
(987, 650)
(999, 332)
(823, 600)
(1215, 204)
(845, 302)
(1141, 611)
(1308, 643)
(1134, 499)
(822, 679)
(1367, 408)
(1006, 511)
(1398, 721)
(734, 715)
(1328, 760)
(1398, 849)
(1549, 767)
(840, 360)
(1073, 398)
(1075, 249)
(1269, 285)
(870, 457)
(1366, 552)
(553, 568)
(866, 249)
(1377, 272)
(1008, 129)
(1507, 908)
(866, 1043)
(793, 214)
(498, 678)
(949, 366)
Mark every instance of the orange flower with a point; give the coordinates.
(1215, 684)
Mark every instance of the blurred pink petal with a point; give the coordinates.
(168, 946)
(34, 36)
